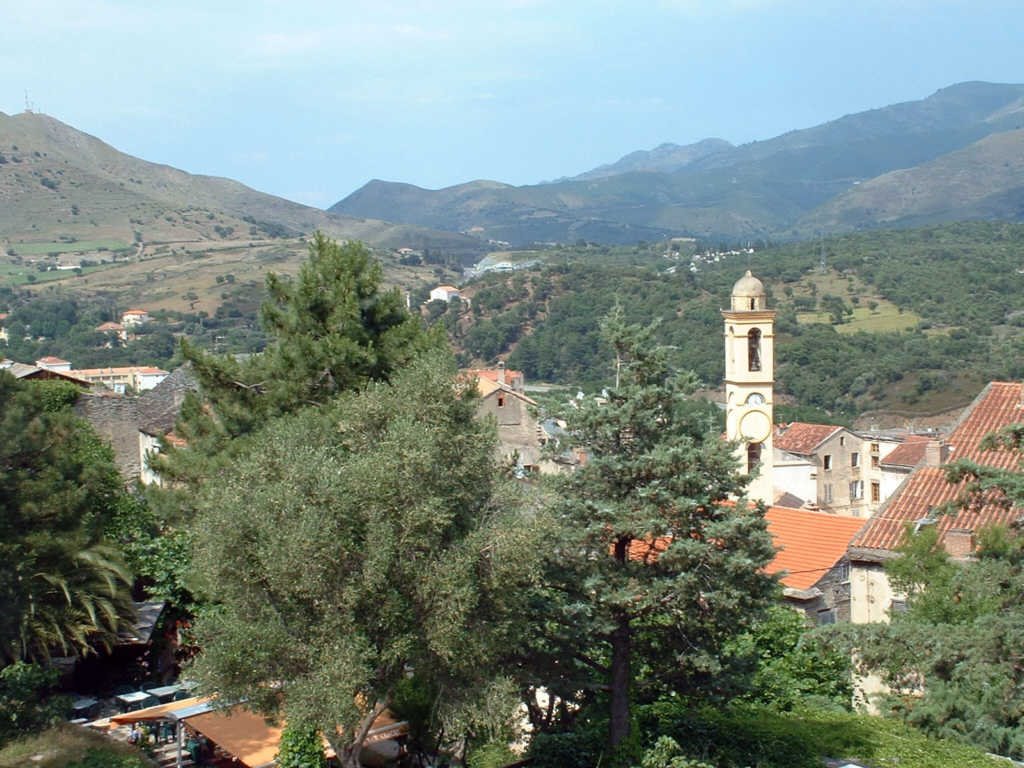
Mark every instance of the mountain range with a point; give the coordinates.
(954, 155)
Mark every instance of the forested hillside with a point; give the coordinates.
(913, 320)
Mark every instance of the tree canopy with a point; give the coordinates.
(355, 544)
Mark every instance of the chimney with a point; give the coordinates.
(959, 543)
(501, 372)
(935, 453)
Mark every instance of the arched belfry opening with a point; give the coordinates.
(753, 456)
(754, 349)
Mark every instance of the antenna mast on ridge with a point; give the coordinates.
(28, 104)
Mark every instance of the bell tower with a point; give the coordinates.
(749, 382)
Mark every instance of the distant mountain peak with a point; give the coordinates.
(664, 158)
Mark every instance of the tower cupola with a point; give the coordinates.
(748, 294)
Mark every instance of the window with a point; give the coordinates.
(754, 350)
(856, 490)
(854, 460)
(876, 491)
(828, 493)
(898, 606)
(826, 462)
(874, 447)
(843, 571)
(753, 456)
(501, 401)
(874, 462)
(842, 439)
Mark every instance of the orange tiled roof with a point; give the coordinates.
(809, 543)
(135, 312)
(51, 360)
(909, 453)
(108, 326)
(998, 405)
(491, 374)
(801, 437)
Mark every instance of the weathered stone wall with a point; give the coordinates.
(115, 418)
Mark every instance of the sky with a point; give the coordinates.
(310, 100)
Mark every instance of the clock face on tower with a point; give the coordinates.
(755, 426)
(755, 399)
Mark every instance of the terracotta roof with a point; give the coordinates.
(486, 388)
(809, 543)
(134, 312)
(998, 405)
(800, 437)
(909, 453)
(110, 327)
(51, 360)
(491, 374)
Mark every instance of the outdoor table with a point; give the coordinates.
(130, 701)
(83, 704)
(165, 692)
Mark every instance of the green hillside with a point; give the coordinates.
(907, 321)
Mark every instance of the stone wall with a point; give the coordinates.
(115, 418)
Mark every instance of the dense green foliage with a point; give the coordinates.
(952, 659)
(654, 573)
(62, 587)
(354, 542)
(28, 701)
(743, 735)
(300, 748)
(790, 667)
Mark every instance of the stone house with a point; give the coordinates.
(832, 468)
(918, 502)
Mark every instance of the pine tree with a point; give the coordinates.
(657, 567)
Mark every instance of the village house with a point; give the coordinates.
(444, 293)
(832, 468)
(134, 378)
(53, 363)
(522, 436)
(922, 501)
(134, 317)
(4, 336)
(115, 330)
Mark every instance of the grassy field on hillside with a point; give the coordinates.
(83, 246)
(885, 318)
